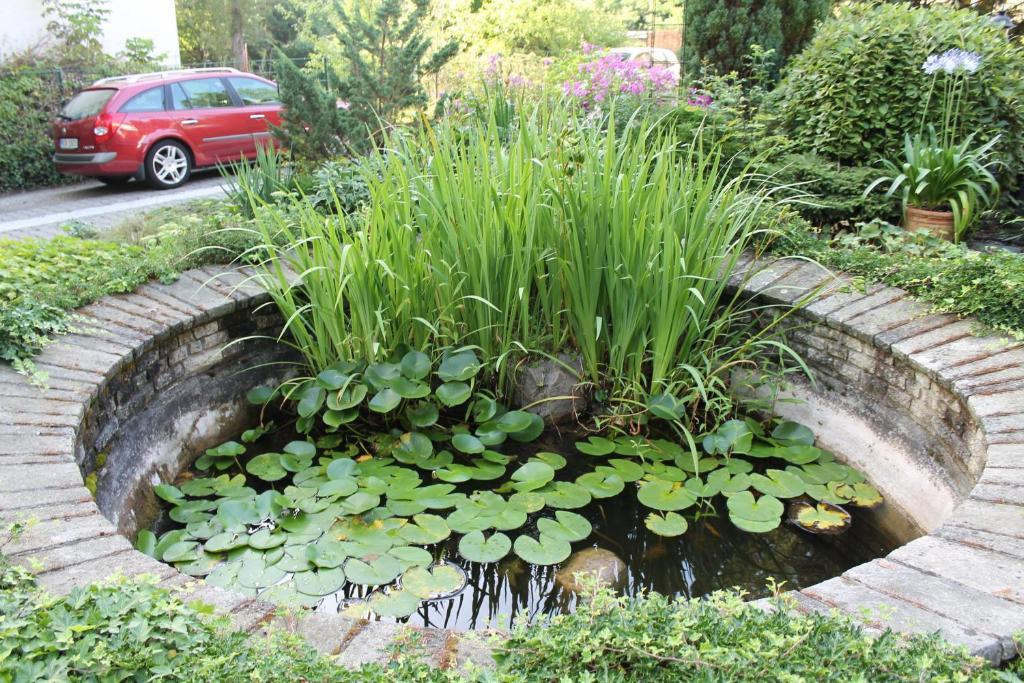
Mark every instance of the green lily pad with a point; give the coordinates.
(425, 529)
(267, 467)
(734, 436)
(413, 447)
(465, 520)
(757, 516)
(415, 365)
(264, 539)
(543, 551)
(532, 431)
(409, 389)
(475, 548)
(359, 502)
(596, 445)
(311, 399)
(285, 595)
(385, 401)
(319, 582)
(342, 468)
(865, 496)
(822, 517)
(467, 443)
(348, 398)
(601, 484)
(436, 582)
(397, 603)
(792, 434)
(458, 367)
(527, 501)
(422, 414)
(484, 408)
(145, 542)
(564, 495)
(169, 493)
(260, 395)
(325, 553)
(411, 556)
(531, 476)
(628, 470)
(380, 375)
(556, 461)
(665, 495)
(514, 421)
(567, 526)
(453, 393)
(332, 379)
(669, 525)
(384, 569)
(778, 483)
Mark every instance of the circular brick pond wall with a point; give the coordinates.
(932, 412)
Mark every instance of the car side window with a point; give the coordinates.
(253, 92)
(149, 100)
(179, 100)
(203, 93)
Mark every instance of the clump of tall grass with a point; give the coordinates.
(557, 234)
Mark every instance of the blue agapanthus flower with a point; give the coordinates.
(952, 61)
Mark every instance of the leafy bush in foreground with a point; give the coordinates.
(135, 631)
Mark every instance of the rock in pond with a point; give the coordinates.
(603, 564)
(557, 388)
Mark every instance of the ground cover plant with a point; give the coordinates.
(83, 637)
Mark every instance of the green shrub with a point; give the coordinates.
(858, 87)
(26, 148)
(986, 285)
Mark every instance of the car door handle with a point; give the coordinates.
(257, 116)
(189, 122)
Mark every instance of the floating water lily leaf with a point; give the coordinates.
(311, 399)
(666, 407)
(702, 465)
(467, 443)
(425, 529)
(385, 401)
(556, 461)
(458, 367)
(665, 495)
(727, 482)
(822, 517)
(254, 573)
(347, 398)
(267, 467)
(383, 569)
(507, 518)
(407, 388)
(411, 556)
(659, 470)
(342, 468)
(256, 433)
(413, 447)
(514, 421)
(285, 595)
(567, 526)
(359, 502)
(467, 519)
(527, 501)
(532, 431)
(545, 551)
(475, 548)
(627, 469)
(778, 483)
(393, 603)
(415, 365)
(734, 436)
(338, 488)
(486, 471)
(671, 524)
(793, 434)
(490, 435)
(601, 484)
(325, 553)
(564, 495)
(224, 541)
(380, 375)
(531, 476)
(702, 489)
(145, 542)
(192, 511)
(737, 466)
(260, 395)
(439, 581)
(200, 566)
(332, 379)
(422, 414)
(865, 496)
(167, 540)
(455, 473)
(264, 539)
(319, 582)
(484, 408)
(453, 393)
(169, 493)
(757, 516)
(596, 445)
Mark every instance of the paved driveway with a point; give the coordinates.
(40, 213)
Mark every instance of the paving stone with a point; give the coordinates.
(42, 513)
(52, 533)
(957, 352)
(45, 420)
(839, 298)
(185, 310)
(373, 643)
(79, 552)
(875, 301)
(998, 424)
(986, 540)
(26, 500)
(975, 611)
(223, 601)
(472, 649)
(25, 459)
(1005, 455)
(1005, 403)
(251, 615)
(129, 563)
(989, 516)
(101, 341)
(22, 404)
(913, 328)
(105, 310)
(85, 378)
(864, 604)
(210, 282)
(240, 281)
(194, 294)
(138, 339)
(41, 445)
(1002, 476)
(888, 316)
(1001, 360)
(983, 570)
(33, 477)
(147, 308)
(804, 283)
(76, 394)
(906, 348)
(999, 493)
(325, 632)
(764, 276)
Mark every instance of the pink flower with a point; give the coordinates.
(342, 104)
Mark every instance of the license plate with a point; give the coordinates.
(68, 143)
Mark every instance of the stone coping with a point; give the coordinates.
(963, 578)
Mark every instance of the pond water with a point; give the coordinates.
(713, 554)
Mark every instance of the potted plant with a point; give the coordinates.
(944, 186)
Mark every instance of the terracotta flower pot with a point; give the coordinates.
(938, 223)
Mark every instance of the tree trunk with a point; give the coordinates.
(238, 48)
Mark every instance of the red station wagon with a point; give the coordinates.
(159, 127)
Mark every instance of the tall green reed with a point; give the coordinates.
(561, 235)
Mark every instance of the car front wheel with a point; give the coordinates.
(168, 165)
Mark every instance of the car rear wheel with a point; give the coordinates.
(168, 165)
(114, 179)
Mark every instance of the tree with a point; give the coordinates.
(719, 33)
(386, 58)
(313, 127)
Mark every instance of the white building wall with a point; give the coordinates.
(24, 27)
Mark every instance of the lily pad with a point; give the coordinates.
(821, 518)
(453, 393)
(384, 569)
(596, 445)
(778, 483)
(628, 470)
(422, 414)
(407, 388)
(665, 495)
(532, 476)
(458, 367)
(319, 582)
(527, 501)
(671, 524)
(260, 395)
(567, 526)
(415, 365)
(475, 548)
(439, 581)
(145, 542)
(413, 447)
(564, 495)
(411, 556)
(393, 603)
(425, 529)
(467, 443)
(792, 433)
(385, 401)
(601, 484)
(543, 551)
(267, 467)
(311, 399)
(755, 515)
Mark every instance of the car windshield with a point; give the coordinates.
(86, 103)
